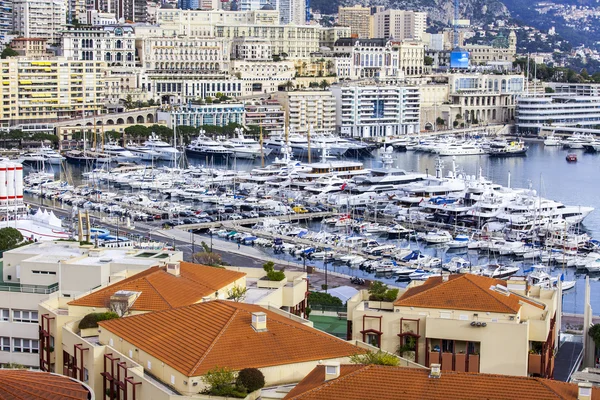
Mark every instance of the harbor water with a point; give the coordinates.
(544, 169)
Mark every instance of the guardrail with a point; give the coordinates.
(29, 289)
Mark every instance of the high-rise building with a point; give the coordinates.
(50, 90)
(39, 18)
(357, 18)
(314, 109)
(256, 5)
(292, 12)
(376, 111)
(399, 24)
(6, 18)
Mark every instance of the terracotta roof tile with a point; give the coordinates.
(193, 339)
(463, 292)
(161, 290)
(32, 385)
(395, 383)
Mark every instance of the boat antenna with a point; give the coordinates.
(308, 140)
(262, 149)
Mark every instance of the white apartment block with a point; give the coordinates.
(376, 111)
(262, 76)
(412, 57)
(251, 49)
(33, 273)
(50, 89)
(113, 44)
(39, 19)
(399, 24)
(314, 109)
(256, 5)
(533, 114)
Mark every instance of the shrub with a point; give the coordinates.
(272, 274)
(325, 299)
(91, 320)
(379, 358)
(221, 381)
(594, 332)
(251, 379)
(379, 292)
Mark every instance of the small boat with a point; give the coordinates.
(460, 241)
(499, 271)
(571, 157)
(435, 237)
(512, 149)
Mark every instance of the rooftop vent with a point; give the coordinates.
(332, 370)
(436, 371)
(500, 289)
(174, 268)
(259, 321)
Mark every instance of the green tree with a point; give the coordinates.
(379, 291)
(220, 381)
(323, 299)
(548, 89)
(137, 131)
(8, 52)
(440, 121)
(237, 294)
(151, 103)
(584, 74)
(251, 379)
(324, 84)
(428, 60)
(9, 238)
(594, 333)
(377, 358)
(289, 85)
(128, 102)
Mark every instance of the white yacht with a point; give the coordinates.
(144, 152)
(461, 149)
(205, 146)
(577, 140)
(326, 185)
(119, 153)
(243, 147)
(165, 150)
(44, 154)
(552, 140)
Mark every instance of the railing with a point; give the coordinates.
(29, 289)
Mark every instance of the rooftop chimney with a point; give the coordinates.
(585, 391)
(122, 300)
(436, 371)
(259, 321)
(174, 268)
(332, 370)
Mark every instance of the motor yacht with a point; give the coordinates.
(144, 152)
(552, 140)
(205, 146)
(43, 154)
(165, 151)
(243, 147)
(119, 153)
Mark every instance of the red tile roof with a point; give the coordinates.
(160, 290)
(463, 292)
(32, 385)
(395, 383)
(196, 338)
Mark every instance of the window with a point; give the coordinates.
(4, 344)
(25, 345)
(4, 314)
(25, 316)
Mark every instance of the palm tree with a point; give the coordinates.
(289, 85)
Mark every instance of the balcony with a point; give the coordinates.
(453, 355)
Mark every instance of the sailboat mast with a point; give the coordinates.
(262, 149)
(308, 139)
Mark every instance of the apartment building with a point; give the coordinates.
(358, 18)
(267, 114)
(376, 111)
(220, 114)
(6, 20)
(50, 89)
(31, 274)
(349, 382)
(198, 336)
(256, 5)
(30, 47)
(484, 98)
(577, 89)
(113, 44)
(399, 24)
(411, 60)
(486, 325)
(39, 19)
(311, 108)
